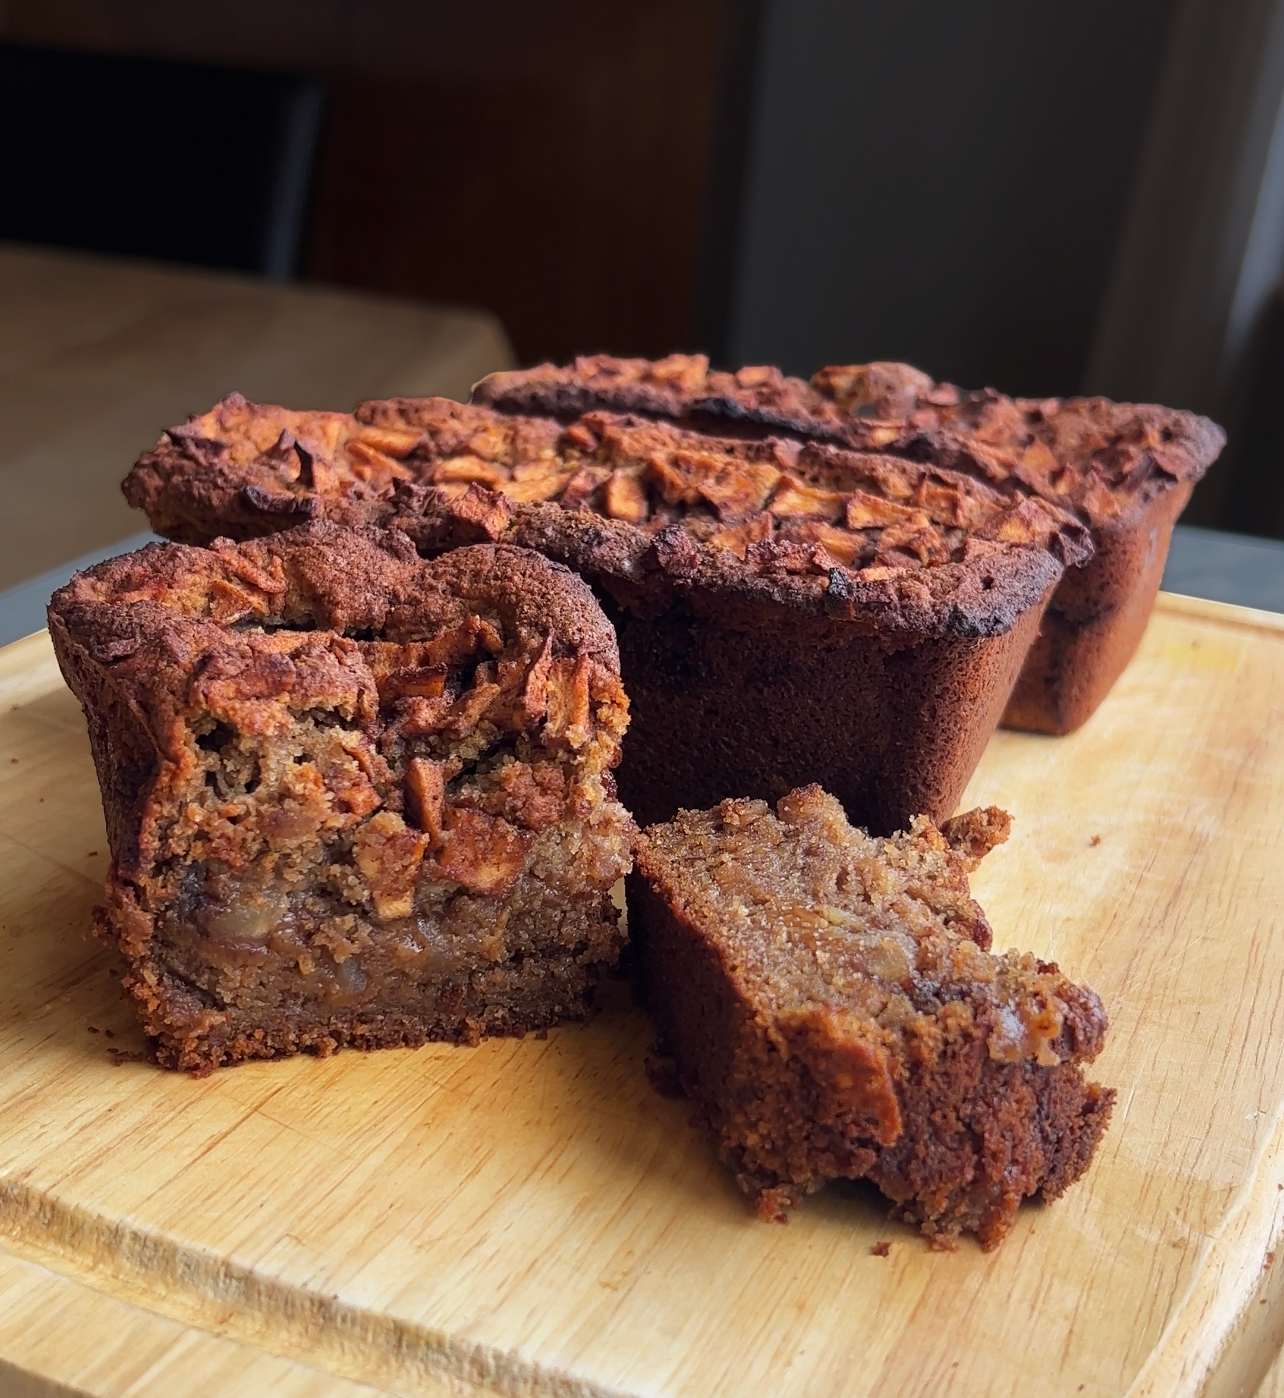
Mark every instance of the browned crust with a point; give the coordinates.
(900, 546)
(1095, 621)
(1126, 470)
(1103, 459)
(1107, 460)
(949, 1076)
(735, 698)
(353, 687)
(757, 398)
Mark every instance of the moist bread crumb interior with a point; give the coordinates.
(833, 1009)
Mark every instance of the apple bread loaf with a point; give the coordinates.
(786, 611)
(1125, 470)
(352, 797)
(834, 1011)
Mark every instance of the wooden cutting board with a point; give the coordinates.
(530, 1218)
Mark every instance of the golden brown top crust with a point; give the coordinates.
(1093, 455)
(862, 510)
(820, 925)
(1102, 459)
(617, 494)
(425, 667)
(680, 386)
(351, 581)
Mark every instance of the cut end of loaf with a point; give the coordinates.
(834, 1010)
(371, 799)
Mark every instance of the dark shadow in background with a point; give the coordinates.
(177, 161)
(1255, 495)
(721, 240)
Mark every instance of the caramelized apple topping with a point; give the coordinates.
(425, 794)
(726, 494)
(388, 854)
(626, 498)
(483, 853)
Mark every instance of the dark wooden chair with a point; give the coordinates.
(176, 161)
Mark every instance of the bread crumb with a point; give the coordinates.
(1096, 840)
(881, 1249)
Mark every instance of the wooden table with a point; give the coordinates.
(98, 355)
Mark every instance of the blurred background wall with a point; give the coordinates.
(1051, 198)
(941, 182)
(543, 161)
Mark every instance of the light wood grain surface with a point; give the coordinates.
(531, 1218)
(97, 356)
(1272, 1386)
